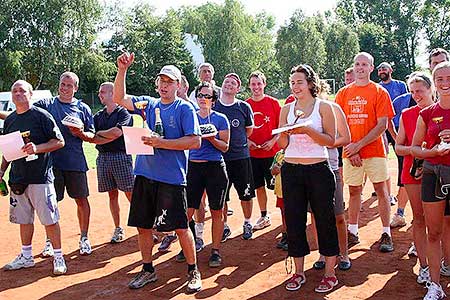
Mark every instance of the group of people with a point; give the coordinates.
(210, 141)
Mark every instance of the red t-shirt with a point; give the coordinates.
(266, 114)
(409, 118)
(429, 115)
(363, 105)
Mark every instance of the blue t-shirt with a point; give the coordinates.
(42, 129)
(240, 116)
(103, 121)
(178, 119)
(207, 151)
(71, 156)
(395, 88)
(400, 103)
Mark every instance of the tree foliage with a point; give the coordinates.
(436, 15)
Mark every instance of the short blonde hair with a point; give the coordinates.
(72, 75)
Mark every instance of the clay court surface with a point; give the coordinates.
(252, 269)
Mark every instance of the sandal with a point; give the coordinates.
(327, 284)
(295, 282)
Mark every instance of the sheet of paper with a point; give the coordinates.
(11, 145)
(133, 142)
(286, 128)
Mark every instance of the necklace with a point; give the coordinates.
(165, 108)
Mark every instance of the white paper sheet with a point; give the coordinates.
(11, 146)
(133, 142)
(289, 127)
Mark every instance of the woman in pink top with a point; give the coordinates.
(433, 127)
(421, 90)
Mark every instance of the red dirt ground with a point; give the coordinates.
(252, 269)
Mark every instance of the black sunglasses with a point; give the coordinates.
(205, 96)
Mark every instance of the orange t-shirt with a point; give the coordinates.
(363, 105)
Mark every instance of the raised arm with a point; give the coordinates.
(120, 96)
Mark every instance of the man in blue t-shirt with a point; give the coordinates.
(114, 165)
(159, 193)
(237, 158)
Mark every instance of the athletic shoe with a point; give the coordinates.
(48, 249)
(19, 262)
(118, 236)
(283, 243)
(424, 275)
(386, 244)
(247, 231)
(445, 270)
(59, 266)
(180, 257)
(398, 221)
(393, 200)
(435, 292)
(85, 246)
(262, 223)
(412, 251)
(199, 245)
(230, 212)
(194, 281)
(141, 279)
(226, 233)
(352, 239)
(167, 242)
(215, 260)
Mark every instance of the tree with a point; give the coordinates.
(436, 20)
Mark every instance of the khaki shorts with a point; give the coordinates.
(375, 168)
(37, 197)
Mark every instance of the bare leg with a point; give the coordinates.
(114, 206)
(354, 204)
(217, 228)
(434, 219)
(384, 206)
(419, 230)
(26, 233)
(402, 197)
(247, 207)
(187, 245)
(445, 242)
(341, 227)
(83, 212)
(54, 234)
(128, 195)
(145, 240)
(330, 263)
(261, 195)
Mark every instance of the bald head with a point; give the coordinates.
(105, 93)
(26, 85)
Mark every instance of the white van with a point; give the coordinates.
(6, 103)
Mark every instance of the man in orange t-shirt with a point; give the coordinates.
(368, 108)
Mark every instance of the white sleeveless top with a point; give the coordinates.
(301, 145)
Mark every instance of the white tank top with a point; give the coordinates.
(301, 145)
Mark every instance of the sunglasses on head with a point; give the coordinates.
(205, 96)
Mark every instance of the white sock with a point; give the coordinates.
(353, 228)
(387, 230)
(27, 251)
(57, 253)
(247, 221)
(199, 230)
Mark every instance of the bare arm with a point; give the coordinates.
(51, 145)
(419, 136)
(391, 129)
(222, 143)
(342, 127)
(120, 96)
(249, 131)
(4, 114)
(400, 147)
(106, 136)
(183, 143)
(353, 148)
(283, 139)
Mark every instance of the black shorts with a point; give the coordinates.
(156, 203)
(429, 181)
(340, 163)
(241, 176)
(261, 172)
(210, 175)
(400, 169)
(75, 182)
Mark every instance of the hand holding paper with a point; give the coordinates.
(11, 146)
(133, 141)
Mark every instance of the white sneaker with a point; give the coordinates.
(435, 292)
(398, 221)
(118, 235)
(262, 222)
(48, 249)
(393, 200)
(59, 266)
(20, 262)
(424, 275)
(412, 251)
(85, 246)
(445, 270)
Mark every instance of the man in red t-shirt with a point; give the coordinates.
(262, 144)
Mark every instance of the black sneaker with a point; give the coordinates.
(180, 257)
(215, 260)
(283, 242)
(386, 244)
(226, 233)
(194, 281)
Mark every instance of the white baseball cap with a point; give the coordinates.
(171, 71)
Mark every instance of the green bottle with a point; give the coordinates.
(158, 123)
(3, 188)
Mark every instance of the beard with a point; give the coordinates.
(383, 76)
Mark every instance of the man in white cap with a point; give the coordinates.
(159, 193)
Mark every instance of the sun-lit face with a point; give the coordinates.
(349, 78)
(435, 60)
(167, 87)
(105, 94)
(257, 86)
(362, 67)
(21, 94)
(205, 74)
(299, 85)
(384, 73)
(230, 86)
(442, 81)
(421, 93)
(204, 98)
(67, 88)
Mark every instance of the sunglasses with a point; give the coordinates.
(205, 96)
